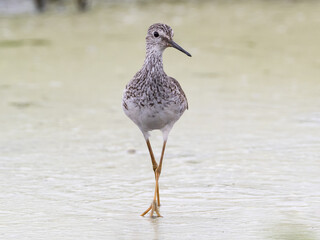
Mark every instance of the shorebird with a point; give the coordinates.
(153, 100)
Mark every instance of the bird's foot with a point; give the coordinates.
(154, 208)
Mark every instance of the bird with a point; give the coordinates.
(153, 100)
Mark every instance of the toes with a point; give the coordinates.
(146, 211)
(153, 208)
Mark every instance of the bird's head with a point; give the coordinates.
(159, 37)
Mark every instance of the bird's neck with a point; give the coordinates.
(153, 65)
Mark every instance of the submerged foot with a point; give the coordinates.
(154, 208)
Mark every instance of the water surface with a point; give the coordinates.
(242, 163)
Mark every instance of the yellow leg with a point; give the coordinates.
(158, 170)
(154, 166)
(153, 207)
(154, 163)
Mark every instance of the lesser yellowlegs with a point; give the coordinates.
(153, 100)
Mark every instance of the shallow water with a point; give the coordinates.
(242, 163)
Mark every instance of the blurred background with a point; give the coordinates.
(243, 161)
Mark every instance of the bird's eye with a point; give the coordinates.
(156, 34)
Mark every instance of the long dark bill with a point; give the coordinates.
(175, 45)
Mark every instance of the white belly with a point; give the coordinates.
(155, 117)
